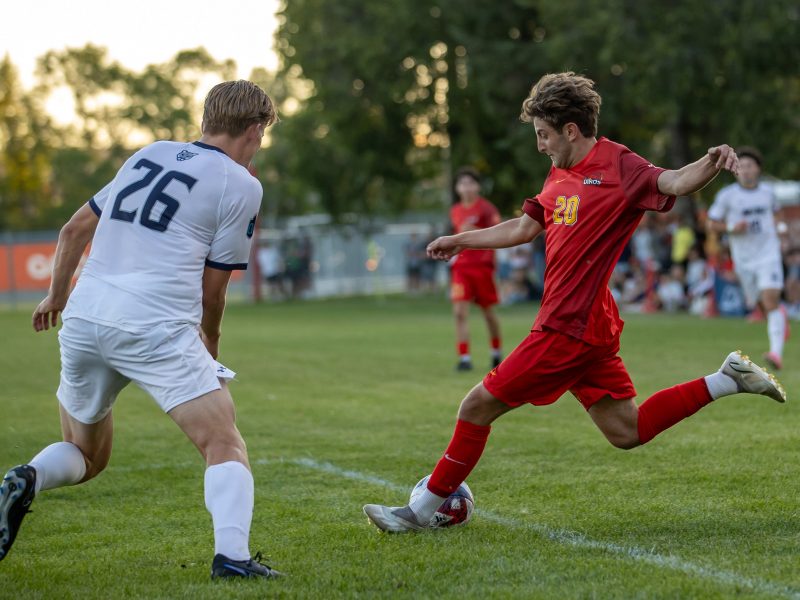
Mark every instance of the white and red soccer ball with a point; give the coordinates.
(456, 510)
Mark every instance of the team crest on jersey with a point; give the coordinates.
(251, 226)
(185, 155)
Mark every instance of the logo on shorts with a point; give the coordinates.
(592, 181)
(185, 155)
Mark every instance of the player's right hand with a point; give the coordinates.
(46, 314)
(444, 248)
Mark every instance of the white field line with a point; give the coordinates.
(572, 538)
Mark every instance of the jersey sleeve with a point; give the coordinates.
(534, 209)
(718, 210)
(98, 201)
(639, 179)
(230, 248)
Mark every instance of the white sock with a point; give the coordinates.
(229, 499)
(496, 353)
(58, 465)
(465, 358)
(720, 385)
(425, 505)
(776, 329)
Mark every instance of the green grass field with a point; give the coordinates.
(352, 401)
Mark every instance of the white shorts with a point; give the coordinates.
(169, 362)
(754, 279)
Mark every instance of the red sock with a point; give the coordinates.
(495, 343)
(665, 408)
(463, 348)
(460, 458)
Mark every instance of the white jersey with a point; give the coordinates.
(756, 207)
(172, 209)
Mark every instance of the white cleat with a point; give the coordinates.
(750, 378)
(393, 519)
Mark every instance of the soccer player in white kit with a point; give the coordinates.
(166, 234)
(745, 211)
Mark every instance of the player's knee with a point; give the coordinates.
(624, 440)
(95, 465)
(479, 407)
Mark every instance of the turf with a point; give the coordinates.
(352, 401)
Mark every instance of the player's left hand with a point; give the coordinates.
(724, 157)
(46, 314)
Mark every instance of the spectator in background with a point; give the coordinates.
(744, 210)
(683, 238)
(671, 294)
(415, 259)
(270, 264)
(298, 265)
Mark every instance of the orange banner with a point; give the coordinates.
(31, 266)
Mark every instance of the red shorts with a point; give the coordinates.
(547, 363)
(473, 284)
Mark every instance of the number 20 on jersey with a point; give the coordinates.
(566, 211)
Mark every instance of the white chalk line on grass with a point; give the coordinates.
(572, 538)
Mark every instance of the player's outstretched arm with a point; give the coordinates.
(72, 241)
(215, 286)
(504, 235)
(695, 176)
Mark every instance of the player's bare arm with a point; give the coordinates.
(503, 235)
(72, 241)
(722, 227)
(695, 176)
(215, 286)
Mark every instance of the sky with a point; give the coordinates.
(140, 33)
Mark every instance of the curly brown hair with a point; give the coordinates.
(561, 98)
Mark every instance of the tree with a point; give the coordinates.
(25, 153)
(402, 93)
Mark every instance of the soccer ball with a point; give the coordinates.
(456, 510)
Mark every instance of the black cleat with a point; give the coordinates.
(16, 494)
(464, 365)
(496, 360)
(225, 567)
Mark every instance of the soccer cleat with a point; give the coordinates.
(393, 519)
(464, 365)
(496, 360)
(223, 567)
(16, 494)
(751, 378)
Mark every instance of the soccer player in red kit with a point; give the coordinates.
(590, 204)
(472, 271)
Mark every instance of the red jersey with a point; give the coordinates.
(589, 212)
(479, 215)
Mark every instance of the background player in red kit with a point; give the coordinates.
(591, 202)
(472, 271)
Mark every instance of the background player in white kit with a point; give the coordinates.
(166, 234)
(745, 210)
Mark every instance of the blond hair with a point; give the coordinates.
(561, 98)
(232, 106)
